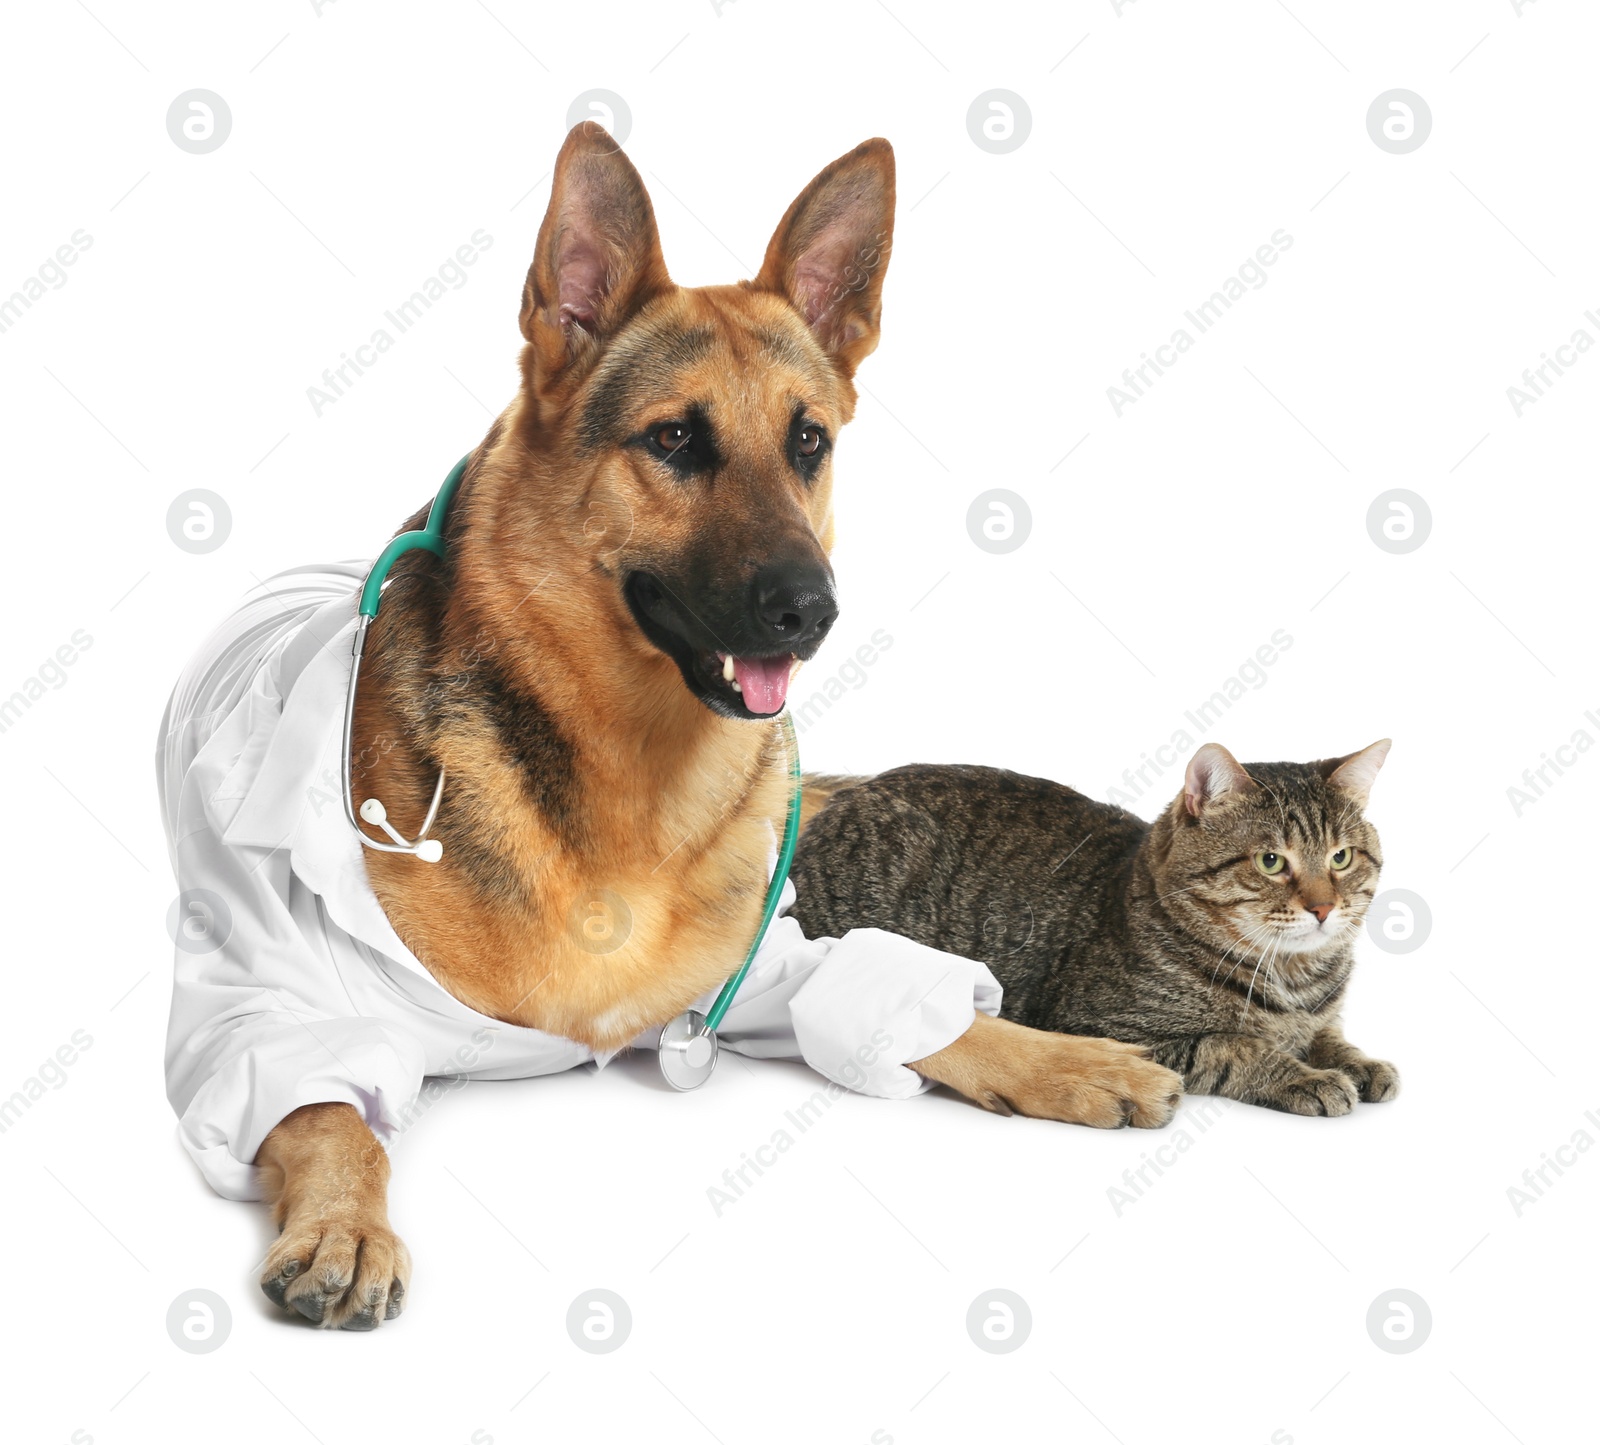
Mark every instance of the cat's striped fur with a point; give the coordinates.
(1168, 934)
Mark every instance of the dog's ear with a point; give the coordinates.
(831, 249)
(598, 257)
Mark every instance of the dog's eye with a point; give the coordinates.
(809, 442)
(673, 436)
(686, 445)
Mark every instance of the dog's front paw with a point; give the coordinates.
(340, 1272)
(1376, 1080)
(1098, 1082)
(1328, 1092)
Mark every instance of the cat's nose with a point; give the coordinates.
(1322, 910)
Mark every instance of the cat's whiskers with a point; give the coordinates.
(1244, 943)
(1272, 972)
(1222, 957)
(1267, 959)
(1252, 988)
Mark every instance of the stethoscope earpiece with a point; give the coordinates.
(430, 850)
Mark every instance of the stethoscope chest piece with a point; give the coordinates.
(688, 1051)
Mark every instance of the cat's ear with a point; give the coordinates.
(1356, 773)
(1213, 773)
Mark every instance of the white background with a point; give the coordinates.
(1229, 1302)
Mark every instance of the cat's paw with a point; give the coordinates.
(1326, 1092)
(1376, 1080)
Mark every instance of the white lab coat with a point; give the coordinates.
(296, 990)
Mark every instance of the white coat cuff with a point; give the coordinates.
(878, 1001)
(288, 1063)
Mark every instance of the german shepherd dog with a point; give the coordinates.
(645, 532)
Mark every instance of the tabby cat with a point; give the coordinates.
(1221, 935)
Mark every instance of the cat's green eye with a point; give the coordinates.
(1270, 863)
(1342, 859)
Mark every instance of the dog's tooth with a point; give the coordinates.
(736, 686)
(727, 671)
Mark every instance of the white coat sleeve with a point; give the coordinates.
(857, 1009)
(260, 1024)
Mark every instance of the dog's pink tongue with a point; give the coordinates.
(763, 681)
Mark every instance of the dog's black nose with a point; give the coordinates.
(794, 604)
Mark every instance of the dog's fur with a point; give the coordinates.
(596, 768)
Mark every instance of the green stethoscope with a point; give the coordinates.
(688, 1044)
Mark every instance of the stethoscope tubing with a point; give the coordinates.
(429, 538)
(780, 876)
(347, 750)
